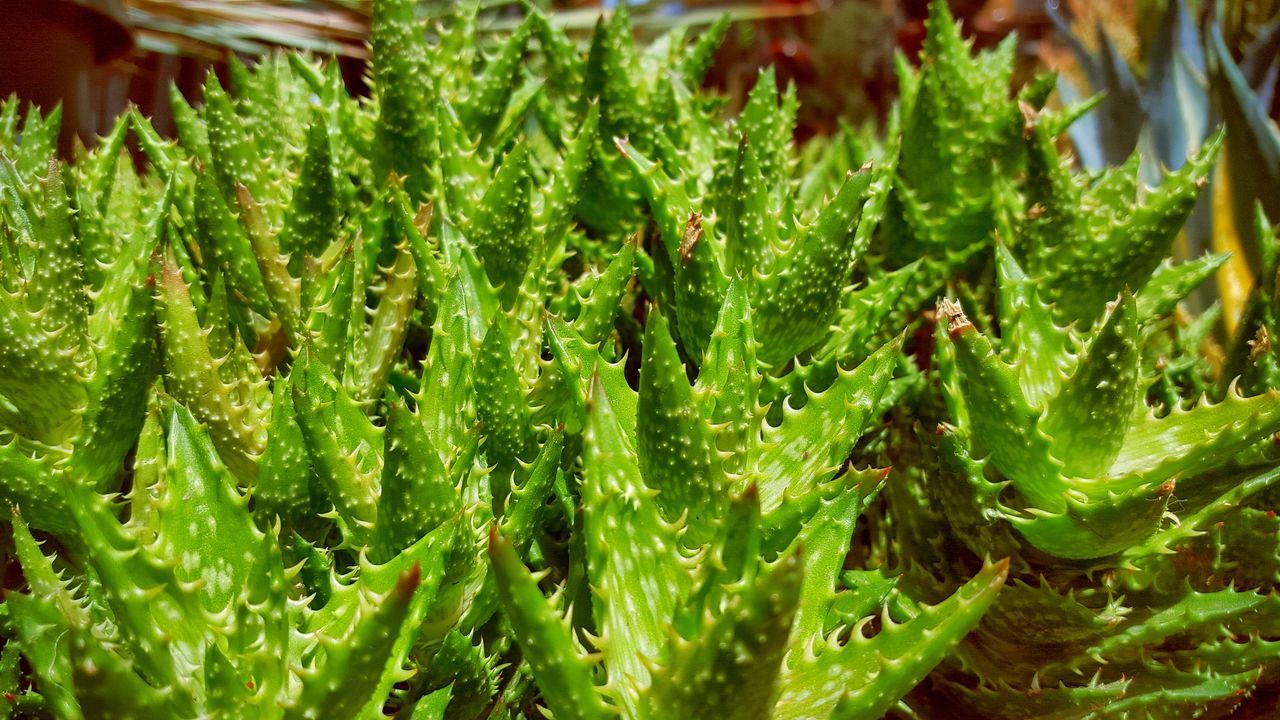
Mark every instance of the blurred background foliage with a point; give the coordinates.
(838, 52)
(1166, 71)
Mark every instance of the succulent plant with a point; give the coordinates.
(1191, 76)
(539, 383)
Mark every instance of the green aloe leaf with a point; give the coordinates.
(563, 671)
(867, 675)
(631, 553)
(1089, 418)
(813, 440)
(1001, 416)
(675, 446)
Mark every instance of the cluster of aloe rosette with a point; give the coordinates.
(532, 386)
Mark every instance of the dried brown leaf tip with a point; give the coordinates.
(956, 320)
(1260, 345)
(1029, 116)
(692, 234)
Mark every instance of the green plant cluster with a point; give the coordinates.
(536, 384)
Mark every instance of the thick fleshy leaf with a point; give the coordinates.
(341, 687)
(813, 441)
(1186, 442)
(1171, 283)
(1193, 611)
(311, 221)
(526, 502)
(446, 401)
(233, 156)
(1104, 524)
(39, 619)
(134, 584)
(751, 232)
(117, 393)
(1002, 420)
(867, 676)
(563, 671)
(1088, 419)
(204, 524)
(405, 131)
(500, 404)
(675, 446)
(728, 386)
(237, 426)
(502, 228)
(577, 363)
(417, 493)
(867, 313)
(283, 488)
(731, 668)
(282, 290)
(345, 447)
(56, 285)
(824, 544)
(1175, 94)
(632, 554)
(379, 346)
(110, 687)
(227, 244)
(491, 91)
(794, 306)
(668, 198)
(1028, 332)
(700, 285)
(600, 307)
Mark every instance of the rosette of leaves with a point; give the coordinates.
(1114, 532)
(187, 609)
(1090, 237)
(959, 132)
(959, 137)
(796, 263)
(1137, 595)
(1089, 460)
(79, 349)
(712, 545)
(349, 408)
(1132, 593)
(649, 95)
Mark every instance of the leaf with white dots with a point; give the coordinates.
(632, 553)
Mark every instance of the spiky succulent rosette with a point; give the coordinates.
(713, 543)
(1079, 430)
(1127, 597)
(1065, 420)
(535, 383)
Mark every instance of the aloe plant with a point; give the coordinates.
(535, 383)
(1191, 78)
(1057, 444)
